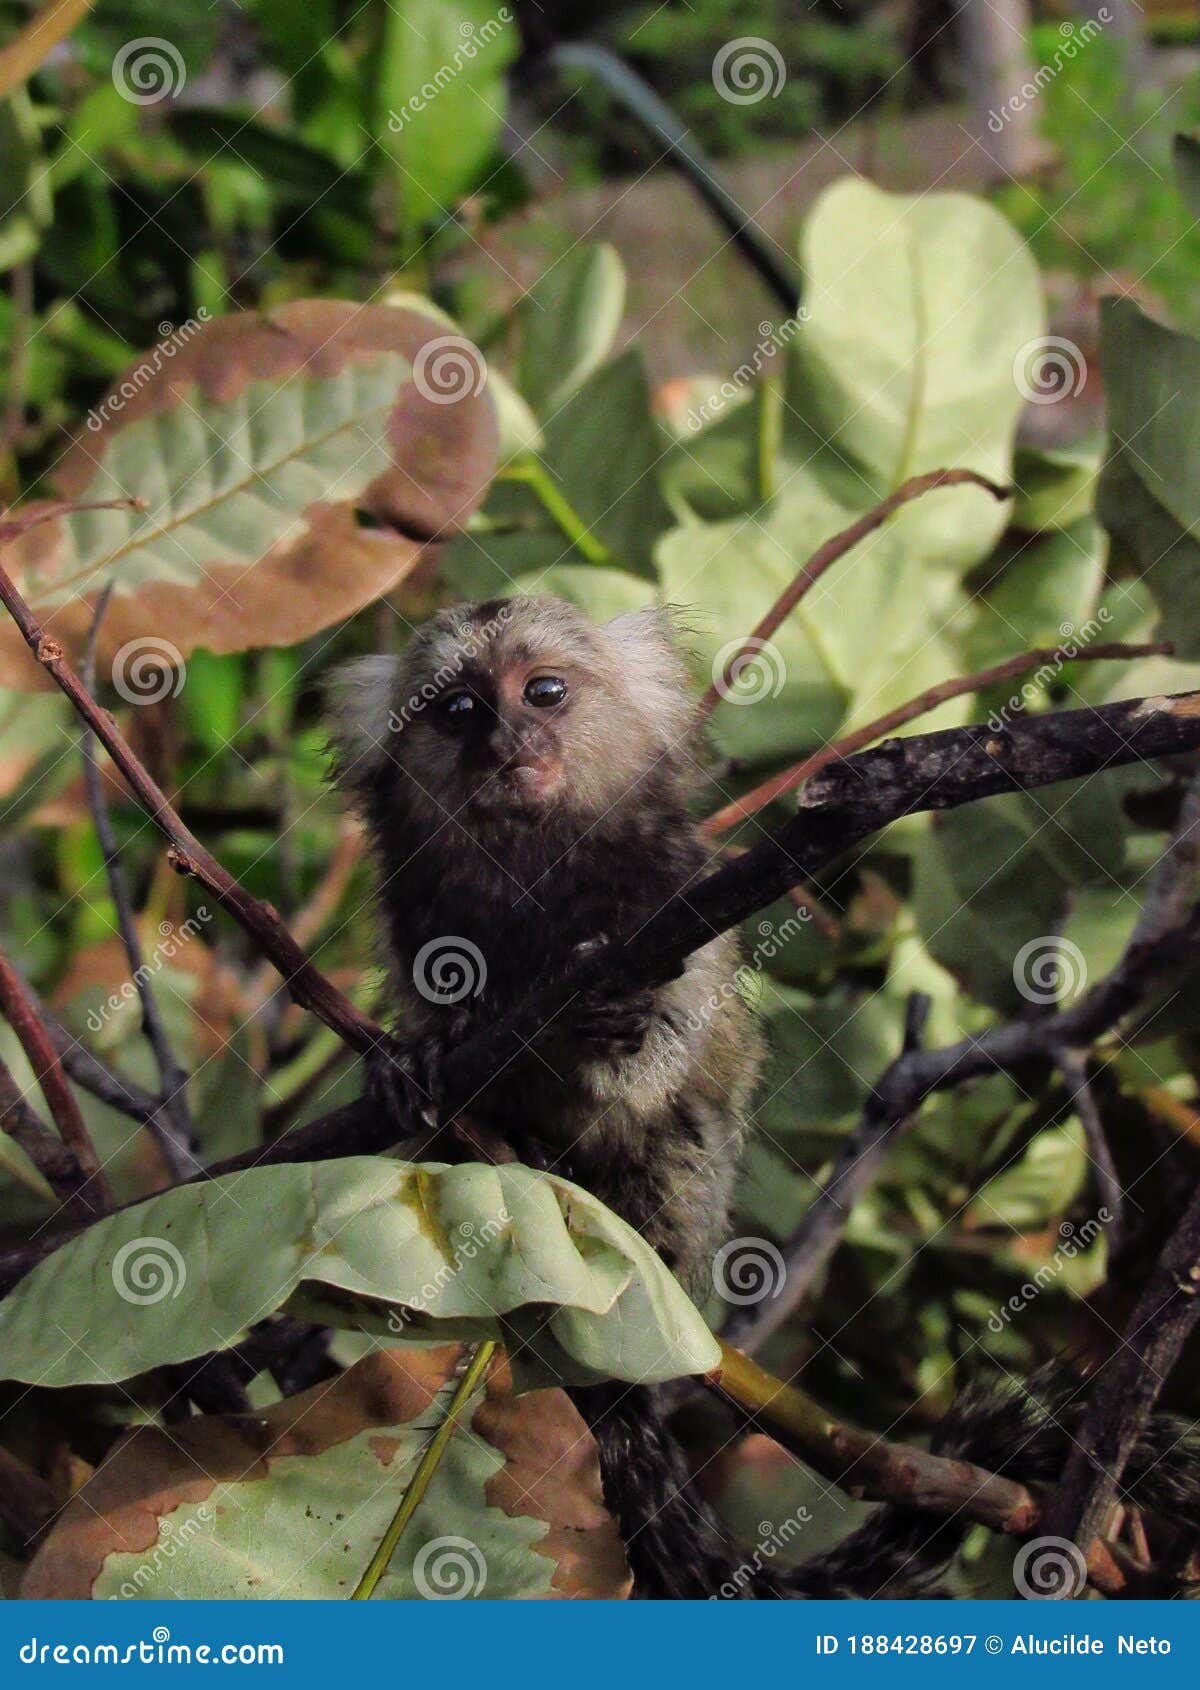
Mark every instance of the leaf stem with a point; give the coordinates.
(426, 1467)
(532, 473)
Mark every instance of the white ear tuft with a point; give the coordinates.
(359, 699)
(654, 666)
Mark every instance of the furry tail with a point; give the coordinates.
(677, 1549)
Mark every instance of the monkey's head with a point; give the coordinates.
(516, 708)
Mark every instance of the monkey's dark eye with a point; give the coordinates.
(457, 704)
(544, 691)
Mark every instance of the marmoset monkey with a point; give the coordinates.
(527, 778)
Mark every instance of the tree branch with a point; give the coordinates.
(827, 555)
(1161, 942)
(18, 1010)
(171, 1124)
(958, 687)
(842, 805)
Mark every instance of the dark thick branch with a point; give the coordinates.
(838, 808)
(1161, 943)
(1128, 1388)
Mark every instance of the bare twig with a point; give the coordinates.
(869, 1467)
(310, 922)
(49, 1155)
(18, 1010)
(828, 554)
(960, 686)
(1073, 1066)
(171, 1124)
(306, 984)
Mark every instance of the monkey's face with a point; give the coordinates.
(520, 707)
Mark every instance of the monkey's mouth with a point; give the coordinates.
(526, 779)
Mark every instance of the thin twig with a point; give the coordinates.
(1073, 1066)
(471, 1379)
(958, 687)
(306, 984)
(171, 1125)
(827, 554)
(57, 1165)
(18, 1010)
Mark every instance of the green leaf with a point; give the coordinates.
(1055, 488)
(251, 440)
(1185, 154)
(291, 1503)
(457, 1251)
(570, 318)
(439, 98)
(1149, 498)
(916, 308)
